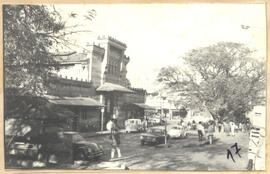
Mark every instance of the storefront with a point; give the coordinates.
(112, 98)
(88, 111)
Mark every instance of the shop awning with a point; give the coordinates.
(144, 106)
(110, 87)
(75, 101)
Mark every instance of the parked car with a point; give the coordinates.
(133, 125)
(59, 144)
(23, 149)
(82, 149)
(177, 132)
(153, 136)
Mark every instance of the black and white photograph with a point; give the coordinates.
(143, 87)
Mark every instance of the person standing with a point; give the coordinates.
(219, 126)
(227, 128)
(240, 127)
(211, 130)
(201, 131)
(232, 128)
(110, 125)
(144, 124)
(193, 125)
(115, 143)
(115, 137)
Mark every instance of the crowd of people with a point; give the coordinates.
(209, 128)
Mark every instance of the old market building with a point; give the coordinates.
(93, 84)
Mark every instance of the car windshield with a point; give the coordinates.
(78, 137)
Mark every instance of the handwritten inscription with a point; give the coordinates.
(237, 150)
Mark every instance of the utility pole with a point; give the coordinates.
(165, 126)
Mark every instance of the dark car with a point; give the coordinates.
(82, 149)
(60, 144)
(153, 136)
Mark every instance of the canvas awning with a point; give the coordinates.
(75, 101)
(110, 87)
(144, 106)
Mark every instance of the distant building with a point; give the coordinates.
(99, 73)
(165, 105)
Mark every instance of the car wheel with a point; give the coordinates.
(79, 156)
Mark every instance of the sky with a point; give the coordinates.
(158, 35)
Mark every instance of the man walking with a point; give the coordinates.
(115, 137)
(211, 130)
(201, 131)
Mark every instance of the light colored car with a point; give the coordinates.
(23, 149)
(133, 125)
(177, 132)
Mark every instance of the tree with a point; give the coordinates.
(34, 36)
(223, 78)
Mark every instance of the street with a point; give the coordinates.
(180, 154)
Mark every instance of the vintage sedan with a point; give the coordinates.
(177, 132)
(23, 149)
(153, 136)
(82, 149)
(59, 144)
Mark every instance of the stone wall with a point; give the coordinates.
(71, 87)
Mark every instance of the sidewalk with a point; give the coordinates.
(99, 133)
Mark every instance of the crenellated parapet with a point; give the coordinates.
(95, 49)
(71, 81)
(112, 40)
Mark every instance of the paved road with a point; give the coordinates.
(182, 154)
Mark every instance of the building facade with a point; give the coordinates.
(98, 73)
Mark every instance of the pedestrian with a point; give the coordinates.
(189, 126)
(240, 127)
(210, 132)
(144, 123)
(219, 126)
(193, 125)
(201, 131)
(232, 128)
(110, 125)
(227, 128)
(115, 137)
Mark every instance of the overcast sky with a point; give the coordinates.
(159, 34)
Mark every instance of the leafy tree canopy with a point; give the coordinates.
(30, 32)
(34, 36)
(223, 78)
